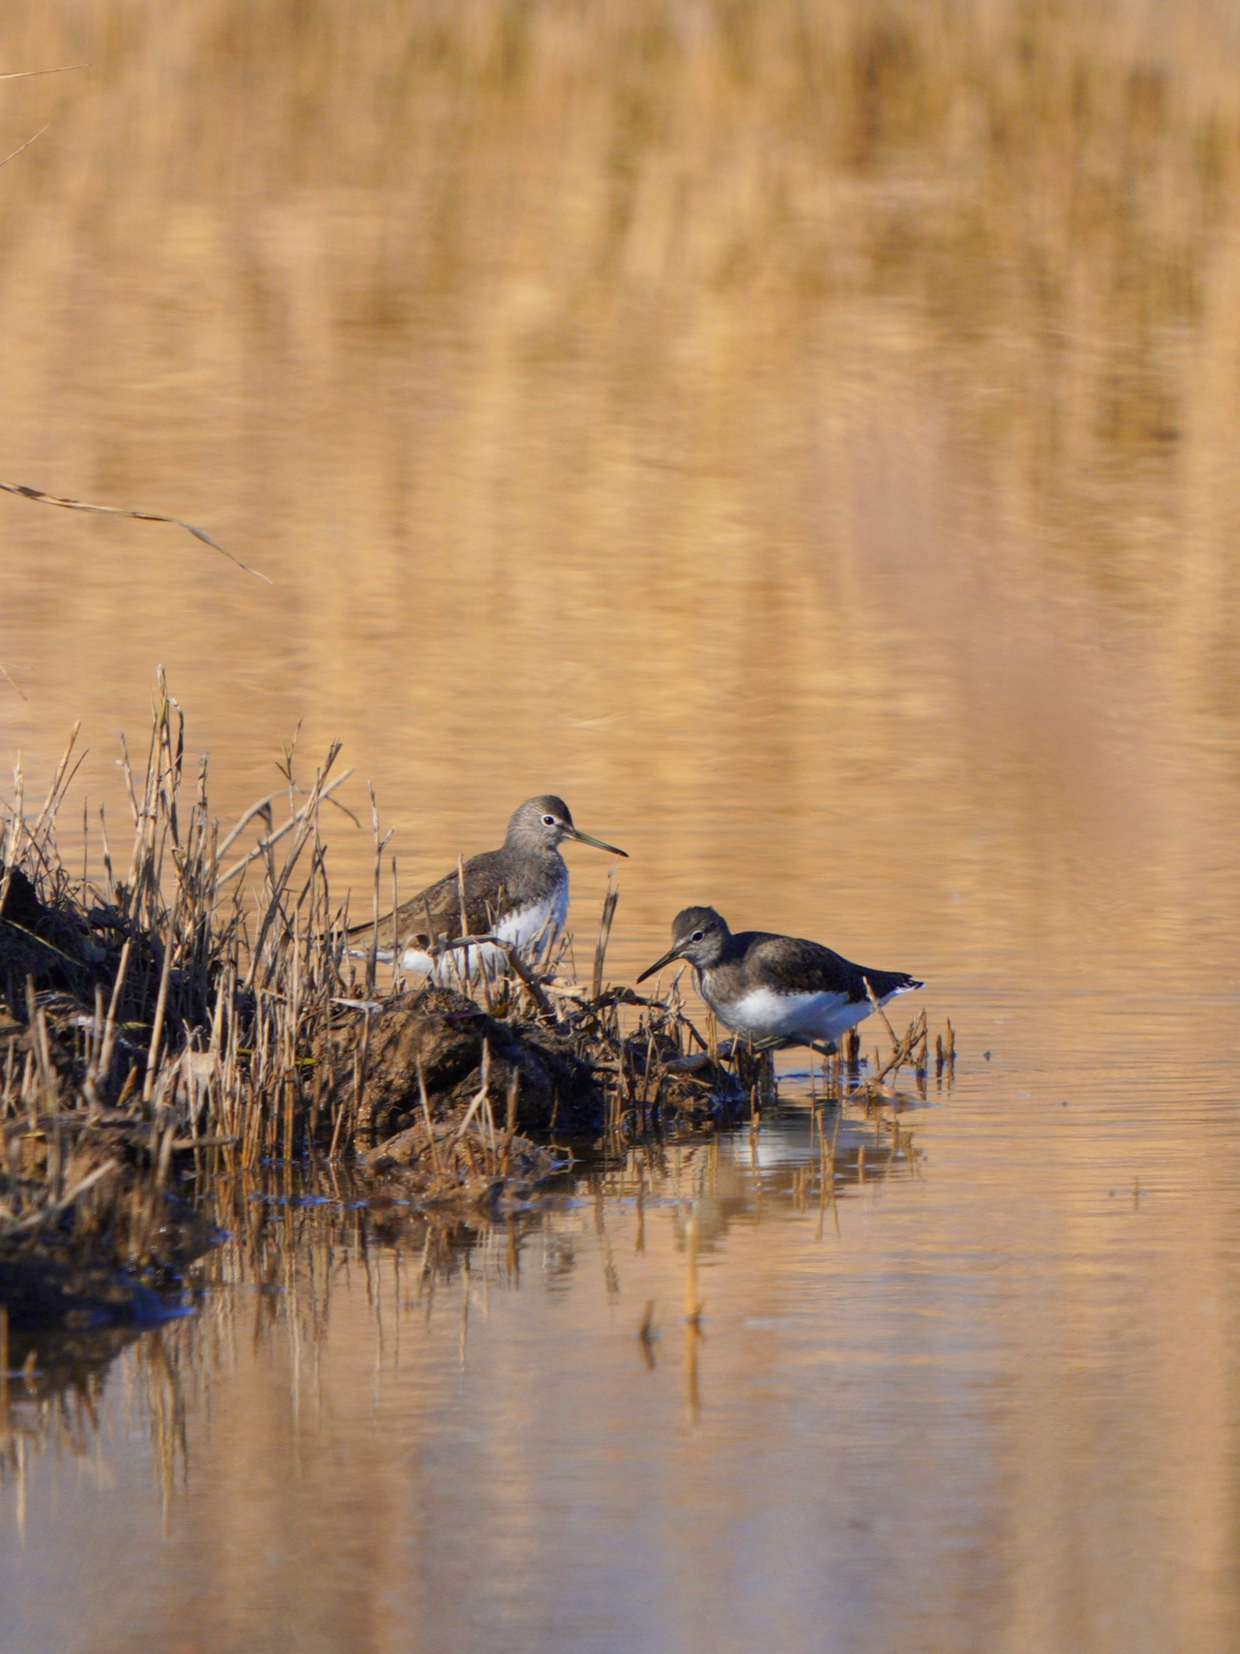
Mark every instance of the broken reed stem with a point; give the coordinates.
(460, 890)
(40, 498)
(11, 839)
(604, 933)
(161, 1006)
(877, 1007)
(426, 1115)
(514, 1087)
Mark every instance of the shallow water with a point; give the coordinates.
(981, 1394)
(818, 462)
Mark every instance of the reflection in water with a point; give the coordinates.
(49, 1401)
(806, 435)
(297, 1243)
(375, 1424)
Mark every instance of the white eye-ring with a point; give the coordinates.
(697, 936)
(548, 821)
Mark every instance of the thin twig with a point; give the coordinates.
(29, 74)
(265, 844)
(4, 673)
(41, 498)
(604, 933)
(426, 1115)
(13, 154)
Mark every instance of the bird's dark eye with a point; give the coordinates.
(548, 821)
(696, 937)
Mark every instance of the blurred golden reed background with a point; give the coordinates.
(803, 435)
(806, 436)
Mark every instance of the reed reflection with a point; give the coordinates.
(296, 1244)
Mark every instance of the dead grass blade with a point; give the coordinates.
(4, 673)
(41, 498)
(14, 153)
(29, 74)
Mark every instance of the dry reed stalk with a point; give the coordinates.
(514, 1089)
(53, 1209)
(397, 956)
(319, 797)
(161, 1007)
(372, 956)
(181, 965)
(41, 498)
(460, 891)
(604, 933)
(54, 791)
(479, 1096)
(426, 1116)
(11, 837)
(874, 1004)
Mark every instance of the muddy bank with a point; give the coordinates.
(453, 1105)
(201, 1012)
(98, 1220)
(434, 1057)
(435, 1041)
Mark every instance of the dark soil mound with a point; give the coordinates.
(446, 1036)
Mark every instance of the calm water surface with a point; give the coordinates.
(805, 438)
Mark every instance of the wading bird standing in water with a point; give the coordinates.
(777, 990)
(518, 893)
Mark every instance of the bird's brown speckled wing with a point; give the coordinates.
(435, 913)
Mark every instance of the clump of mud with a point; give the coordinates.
(439, 1042)
(461, 1169)
(455, 1102)
(103, 1237)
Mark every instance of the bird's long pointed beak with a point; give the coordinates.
(672, 953)
(575, 832)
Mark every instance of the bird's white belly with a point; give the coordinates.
(525, 927)
(764, 1014)
(538, 922)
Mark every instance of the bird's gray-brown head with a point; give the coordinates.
(543, 823)
(700, 935)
